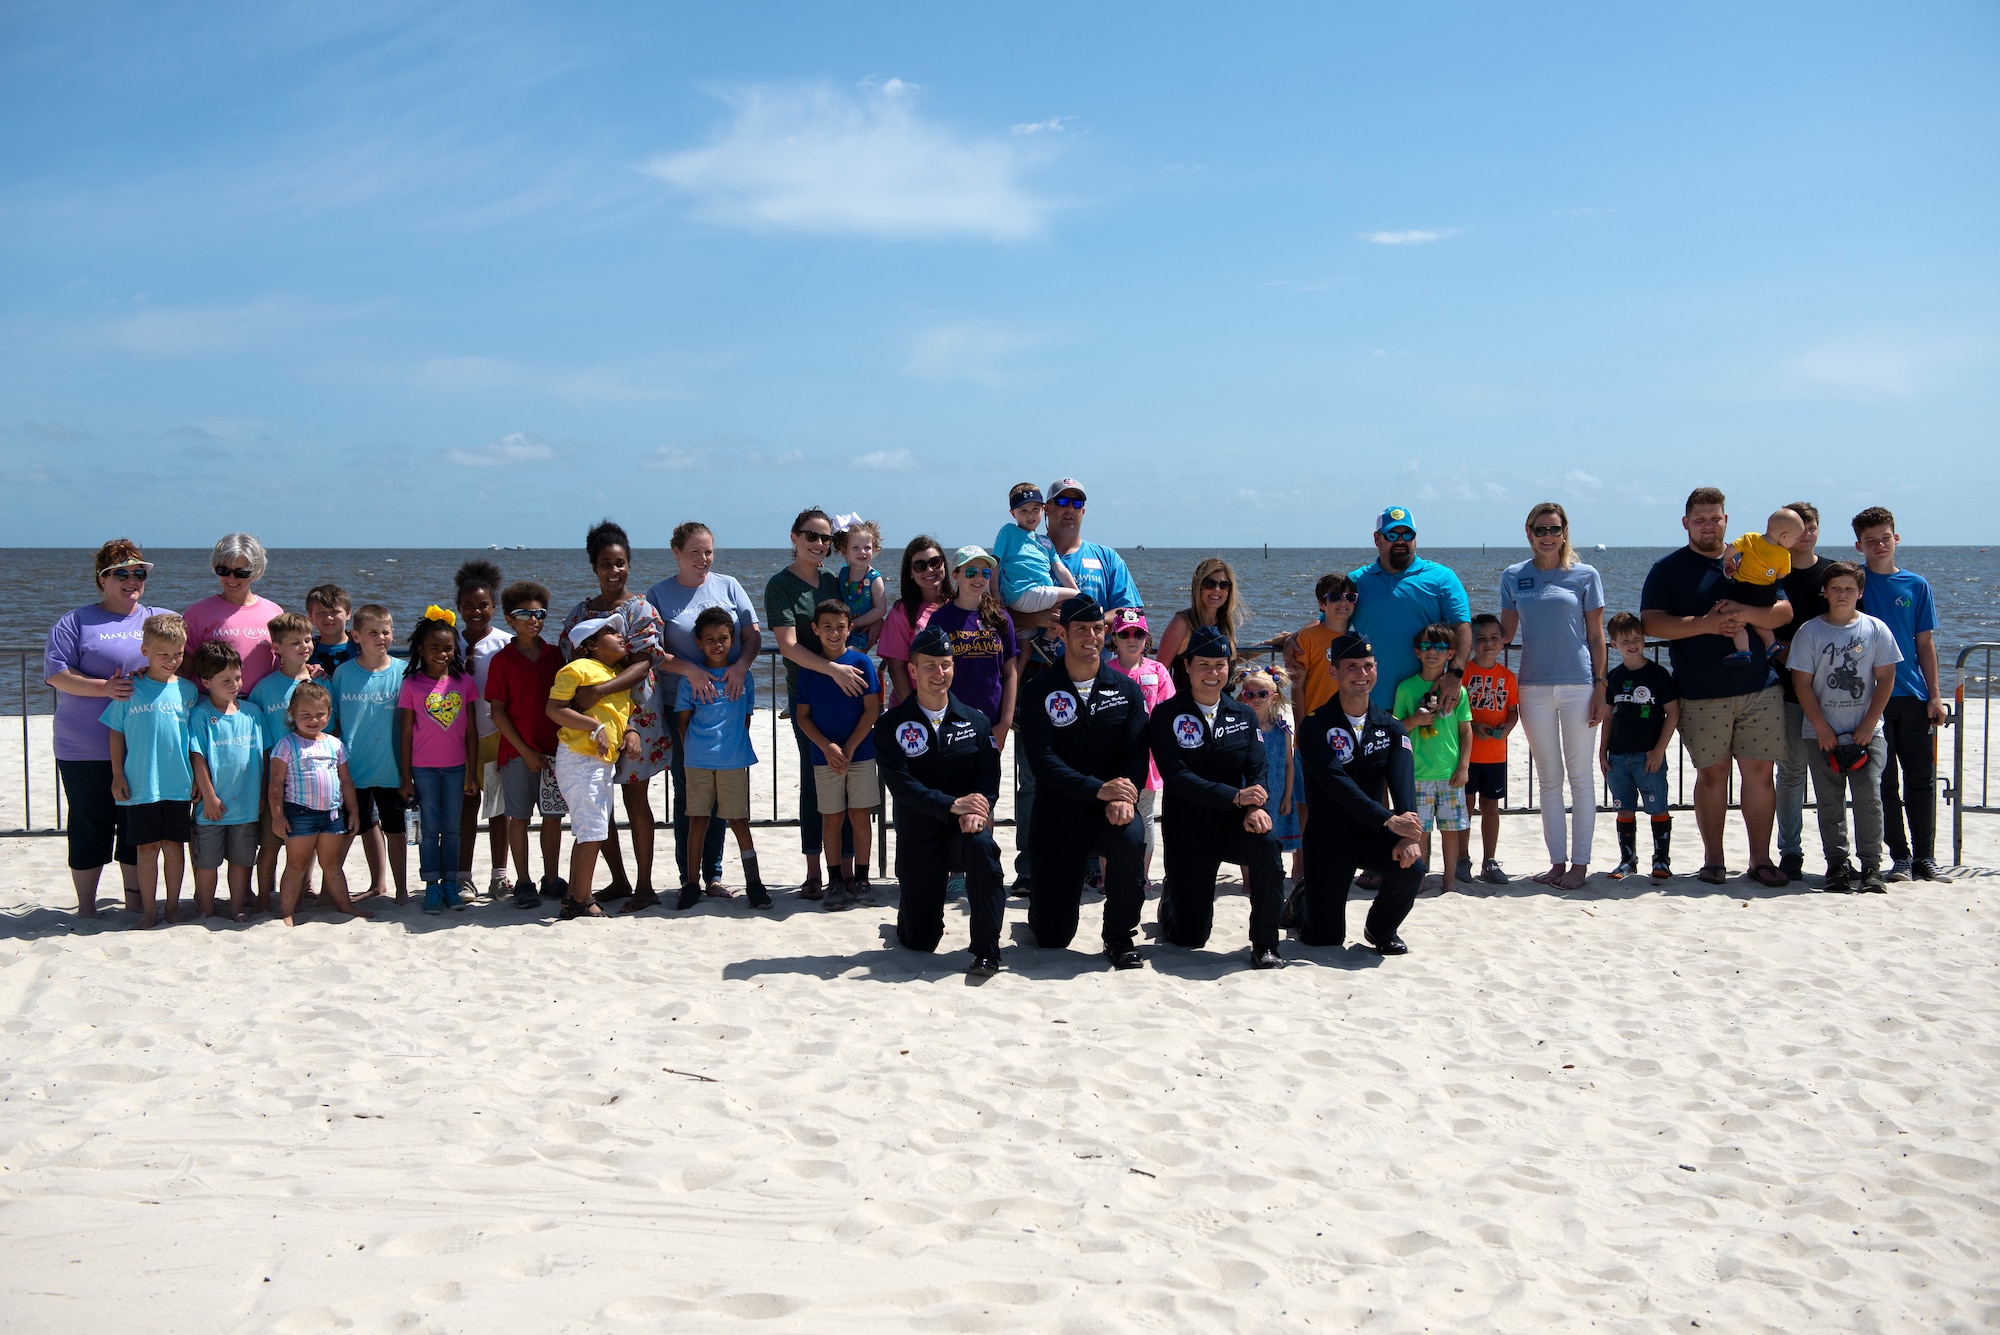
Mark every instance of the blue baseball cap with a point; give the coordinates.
(1396, 516)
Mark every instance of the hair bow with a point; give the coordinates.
(842, 523)
(444, 614)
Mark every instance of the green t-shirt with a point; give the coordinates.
(1436, 756)
(789, 601)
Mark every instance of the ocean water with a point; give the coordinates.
(38, 585)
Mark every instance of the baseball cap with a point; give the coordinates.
(967, 555)
(583, 630)
(1126, 619)
(1023, 494)
(1063, 484)
(1396, 516)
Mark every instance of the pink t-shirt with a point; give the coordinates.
(245, 628)
(1155, 684)
(443, 707)
(897, 632)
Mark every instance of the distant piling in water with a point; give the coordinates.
(1267, 551)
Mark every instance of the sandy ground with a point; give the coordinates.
(1626, 1108)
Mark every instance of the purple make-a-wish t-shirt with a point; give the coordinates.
(95, 643)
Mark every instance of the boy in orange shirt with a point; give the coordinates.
(1496, 708)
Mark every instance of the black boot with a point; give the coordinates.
(1663, 838)
(1628, 849)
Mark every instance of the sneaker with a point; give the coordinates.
(525, 896)
(760, 898)
(838, 896)
(1793, 865)
(1023, 884)
(955, 887)
(1839, 880)
(1490, 872)
(1872, 882)
(554, 887)
(1927, 869)
(499, 886)
(1463, 871)
(862, 892)
(1899, 870)
(690, 895)
(434, 898)
(983, 966)
(453, 899)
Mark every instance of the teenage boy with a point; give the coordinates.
(364, 710)
(1902, 601)
(270, 702)
(517, 687)
(841, 729)
(1843, 667)
(226, 754)
(715, 740)
(1795, 765)
(328, 608)
(1632, 748)
(1495, 697)
(1437, 713)
(150, 774)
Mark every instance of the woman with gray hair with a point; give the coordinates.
(236, 615)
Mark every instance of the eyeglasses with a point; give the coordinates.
(1348, 597)
(233, 572)
(1432, 646)
(976, 572)
(1134, 634)
(926, 565)
(139, 571)
(1068, 502)
(1546, 530)
(528, 614)
(1213, 583)
(812, 537)
(1400, 535)
(1253, 695)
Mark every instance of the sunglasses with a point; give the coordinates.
(1546, 530)
(1213, 583)
(926, 565)
(1068, 502)
(1348, 597)
(1134, 634)
(1253, 695)
(233, 572)
(1432, 646)
(138, 572)
(1400, 535)
(976, 572)
(528, 614)
(812, 537)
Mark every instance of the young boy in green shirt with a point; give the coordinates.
(1434, 707)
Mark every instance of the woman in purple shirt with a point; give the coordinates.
(93, 654)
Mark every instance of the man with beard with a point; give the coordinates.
(1400, 594)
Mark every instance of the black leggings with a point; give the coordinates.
(97, 826)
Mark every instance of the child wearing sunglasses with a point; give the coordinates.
(1032, 578)
(1435, 708)
(517, 691)
(1130, 638)
(1263, 689)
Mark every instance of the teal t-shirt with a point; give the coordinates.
(232, 746)
(364, 714)
(268, 700)
(1436, 756)
(155, 724)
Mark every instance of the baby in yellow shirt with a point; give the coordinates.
(1757, 561)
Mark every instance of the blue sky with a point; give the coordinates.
(436, 275)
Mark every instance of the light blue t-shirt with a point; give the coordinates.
(1902, 602)
(232, 746)
(718, 736)
(1026, 560)
(155, 723)
(364, 714)
(679, 606)
(1391, 610)
(1555, 646)
(1101, 573)
(268, 700)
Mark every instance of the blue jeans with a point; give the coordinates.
(440, 799)
(677, 778)
(1631, 784)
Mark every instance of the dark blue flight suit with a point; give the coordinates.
(1202, 767)
(1356, 778)
(928, 769)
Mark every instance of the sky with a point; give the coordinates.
(439, 275)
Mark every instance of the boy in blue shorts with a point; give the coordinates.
(226, 753)
(364, 712)
(1632, 747)
(150, 774)
(269, 702)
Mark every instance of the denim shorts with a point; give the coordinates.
(1631, 784)
(303, 821)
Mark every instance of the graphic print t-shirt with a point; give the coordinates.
(443, 706)
(1638, 698)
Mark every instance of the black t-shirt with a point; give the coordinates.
(1802, 587)
(1638, 698)
(1685, 583)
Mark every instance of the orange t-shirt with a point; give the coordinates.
(1319, 685)
(1492, 691)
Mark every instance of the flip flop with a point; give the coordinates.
(1713, 874)
(717, 890)
(1767, 875)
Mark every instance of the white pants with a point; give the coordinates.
(1039, 598)
(586, 786)
(1560, 738)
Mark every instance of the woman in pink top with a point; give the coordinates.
(236, 616)
(1129, 636)
(438, 749)
(926, 588)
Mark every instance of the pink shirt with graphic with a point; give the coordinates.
(443, 706)
(245, 629)
(1155, 684)
(897, 633)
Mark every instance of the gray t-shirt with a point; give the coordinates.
(678, 606)
(1555, 648)
(1843, 660)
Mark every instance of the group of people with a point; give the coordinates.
(235, 730)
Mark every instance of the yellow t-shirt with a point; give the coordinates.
(612, 711)
(1764, 561)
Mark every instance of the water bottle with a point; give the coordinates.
(411, 836)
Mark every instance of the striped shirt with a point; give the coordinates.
(312, 770)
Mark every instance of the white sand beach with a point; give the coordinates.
(1629, 1108)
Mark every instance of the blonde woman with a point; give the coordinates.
(1557, 604)
(1214, 603)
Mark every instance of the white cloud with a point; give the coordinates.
(721, 453)
(974, 352)
(1053, 125)
(202, 331)
(1870, 368)
(510, 451)
(815, 159)
(1413, 237)
(1583, 481)
(885, 461)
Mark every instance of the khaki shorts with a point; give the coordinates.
(719, 792)
(1739, 727)
(856, 790)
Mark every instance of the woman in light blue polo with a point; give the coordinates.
(1557, 603)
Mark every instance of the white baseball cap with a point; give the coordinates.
(583, 630)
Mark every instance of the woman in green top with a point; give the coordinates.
(789, 600)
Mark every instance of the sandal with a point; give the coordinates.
(812, 889)
(1766, 875)
(1713, 874)
(644, 899)
(585, 908)
(717, 890)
